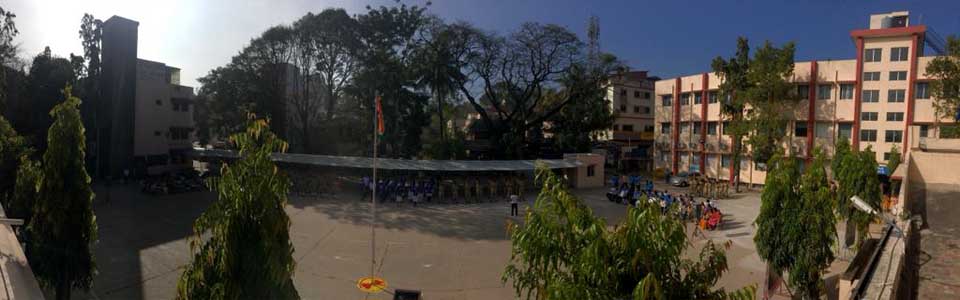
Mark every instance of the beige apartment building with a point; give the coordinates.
(631, 99)
(872, 100)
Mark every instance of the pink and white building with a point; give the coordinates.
(878, 99)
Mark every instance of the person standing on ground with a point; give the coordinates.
(514, 203)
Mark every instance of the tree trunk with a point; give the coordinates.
(443, 126)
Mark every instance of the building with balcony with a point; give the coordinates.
(144, 121)
(631, 96)
(872, 100)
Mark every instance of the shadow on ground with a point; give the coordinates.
(461, 221)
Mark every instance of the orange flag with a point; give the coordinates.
(379, 117)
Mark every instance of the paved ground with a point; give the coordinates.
(939, 257)
(447, 251)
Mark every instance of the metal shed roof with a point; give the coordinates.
(401, 164)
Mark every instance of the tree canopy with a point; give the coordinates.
(241, 245)
(563, 251)
(796, 224)
(63, 228)
(945, 70)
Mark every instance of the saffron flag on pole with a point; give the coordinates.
(379, 117)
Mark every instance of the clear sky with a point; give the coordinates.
(667, 37)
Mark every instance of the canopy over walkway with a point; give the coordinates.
(397, 164)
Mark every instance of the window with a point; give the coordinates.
(895, 95)
(872, 55)
(923, 90)
(898, 75)
(156, 133)
(712, 128)
(871, 76)
(725, 161)
(616, 127)
(646, 109)
(823, 91)
(895, 116)
(868, 135)
(697, 98)
(800, 128)
(159, 103)
(591, 171)
(871, 96)
(822, 129)
(623, 108)
(893, 136)
(696, 128)
(636, 109)
(924, 130)
(623, 92)
(844, 130)
(803, 91)
(868, 116)
(636, 94)
(684, 128)
(759, 167)
(646, 95)
(846, 91)
(627, 127)
(666, 100)
(685, 99)
(664, 128)
(712, 97)
(724, 128)
(899, 53)
(648, 128)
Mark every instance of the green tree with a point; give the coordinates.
(564, 251)
(241, 245)
(779, 202)
(760, 83)
(580, 122)
(8, 50)
(894, 160)
(945, 70)
(796, 225)
(857, 176)
(813, 230)
(31, 115)
(12, 148)
(25, 192)
(63, 229)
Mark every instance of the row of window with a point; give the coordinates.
(889, 136)
(177, 105)
(894, 76)
(873, 116)
(667, 100)
(636, 94)
(825, 91)
(636, 109)
(629, 127)
(876, 54)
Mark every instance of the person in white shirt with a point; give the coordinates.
(514, 203)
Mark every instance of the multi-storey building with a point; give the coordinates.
(871, 100)
(630, 96)
(144, 121)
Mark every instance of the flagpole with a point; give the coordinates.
(373, 211)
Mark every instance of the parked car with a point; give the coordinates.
(682, 179)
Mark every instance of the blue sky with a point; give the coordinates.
(667, 37)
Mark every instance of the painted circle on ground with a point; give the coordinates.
(371, 284)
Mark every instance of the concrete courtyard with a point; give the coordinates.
(454, 251)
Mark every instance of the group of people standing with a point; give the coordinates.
(633, 190)
(399, 190)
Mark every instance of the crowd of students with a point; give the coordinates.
(399, 190)
(632, 190)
